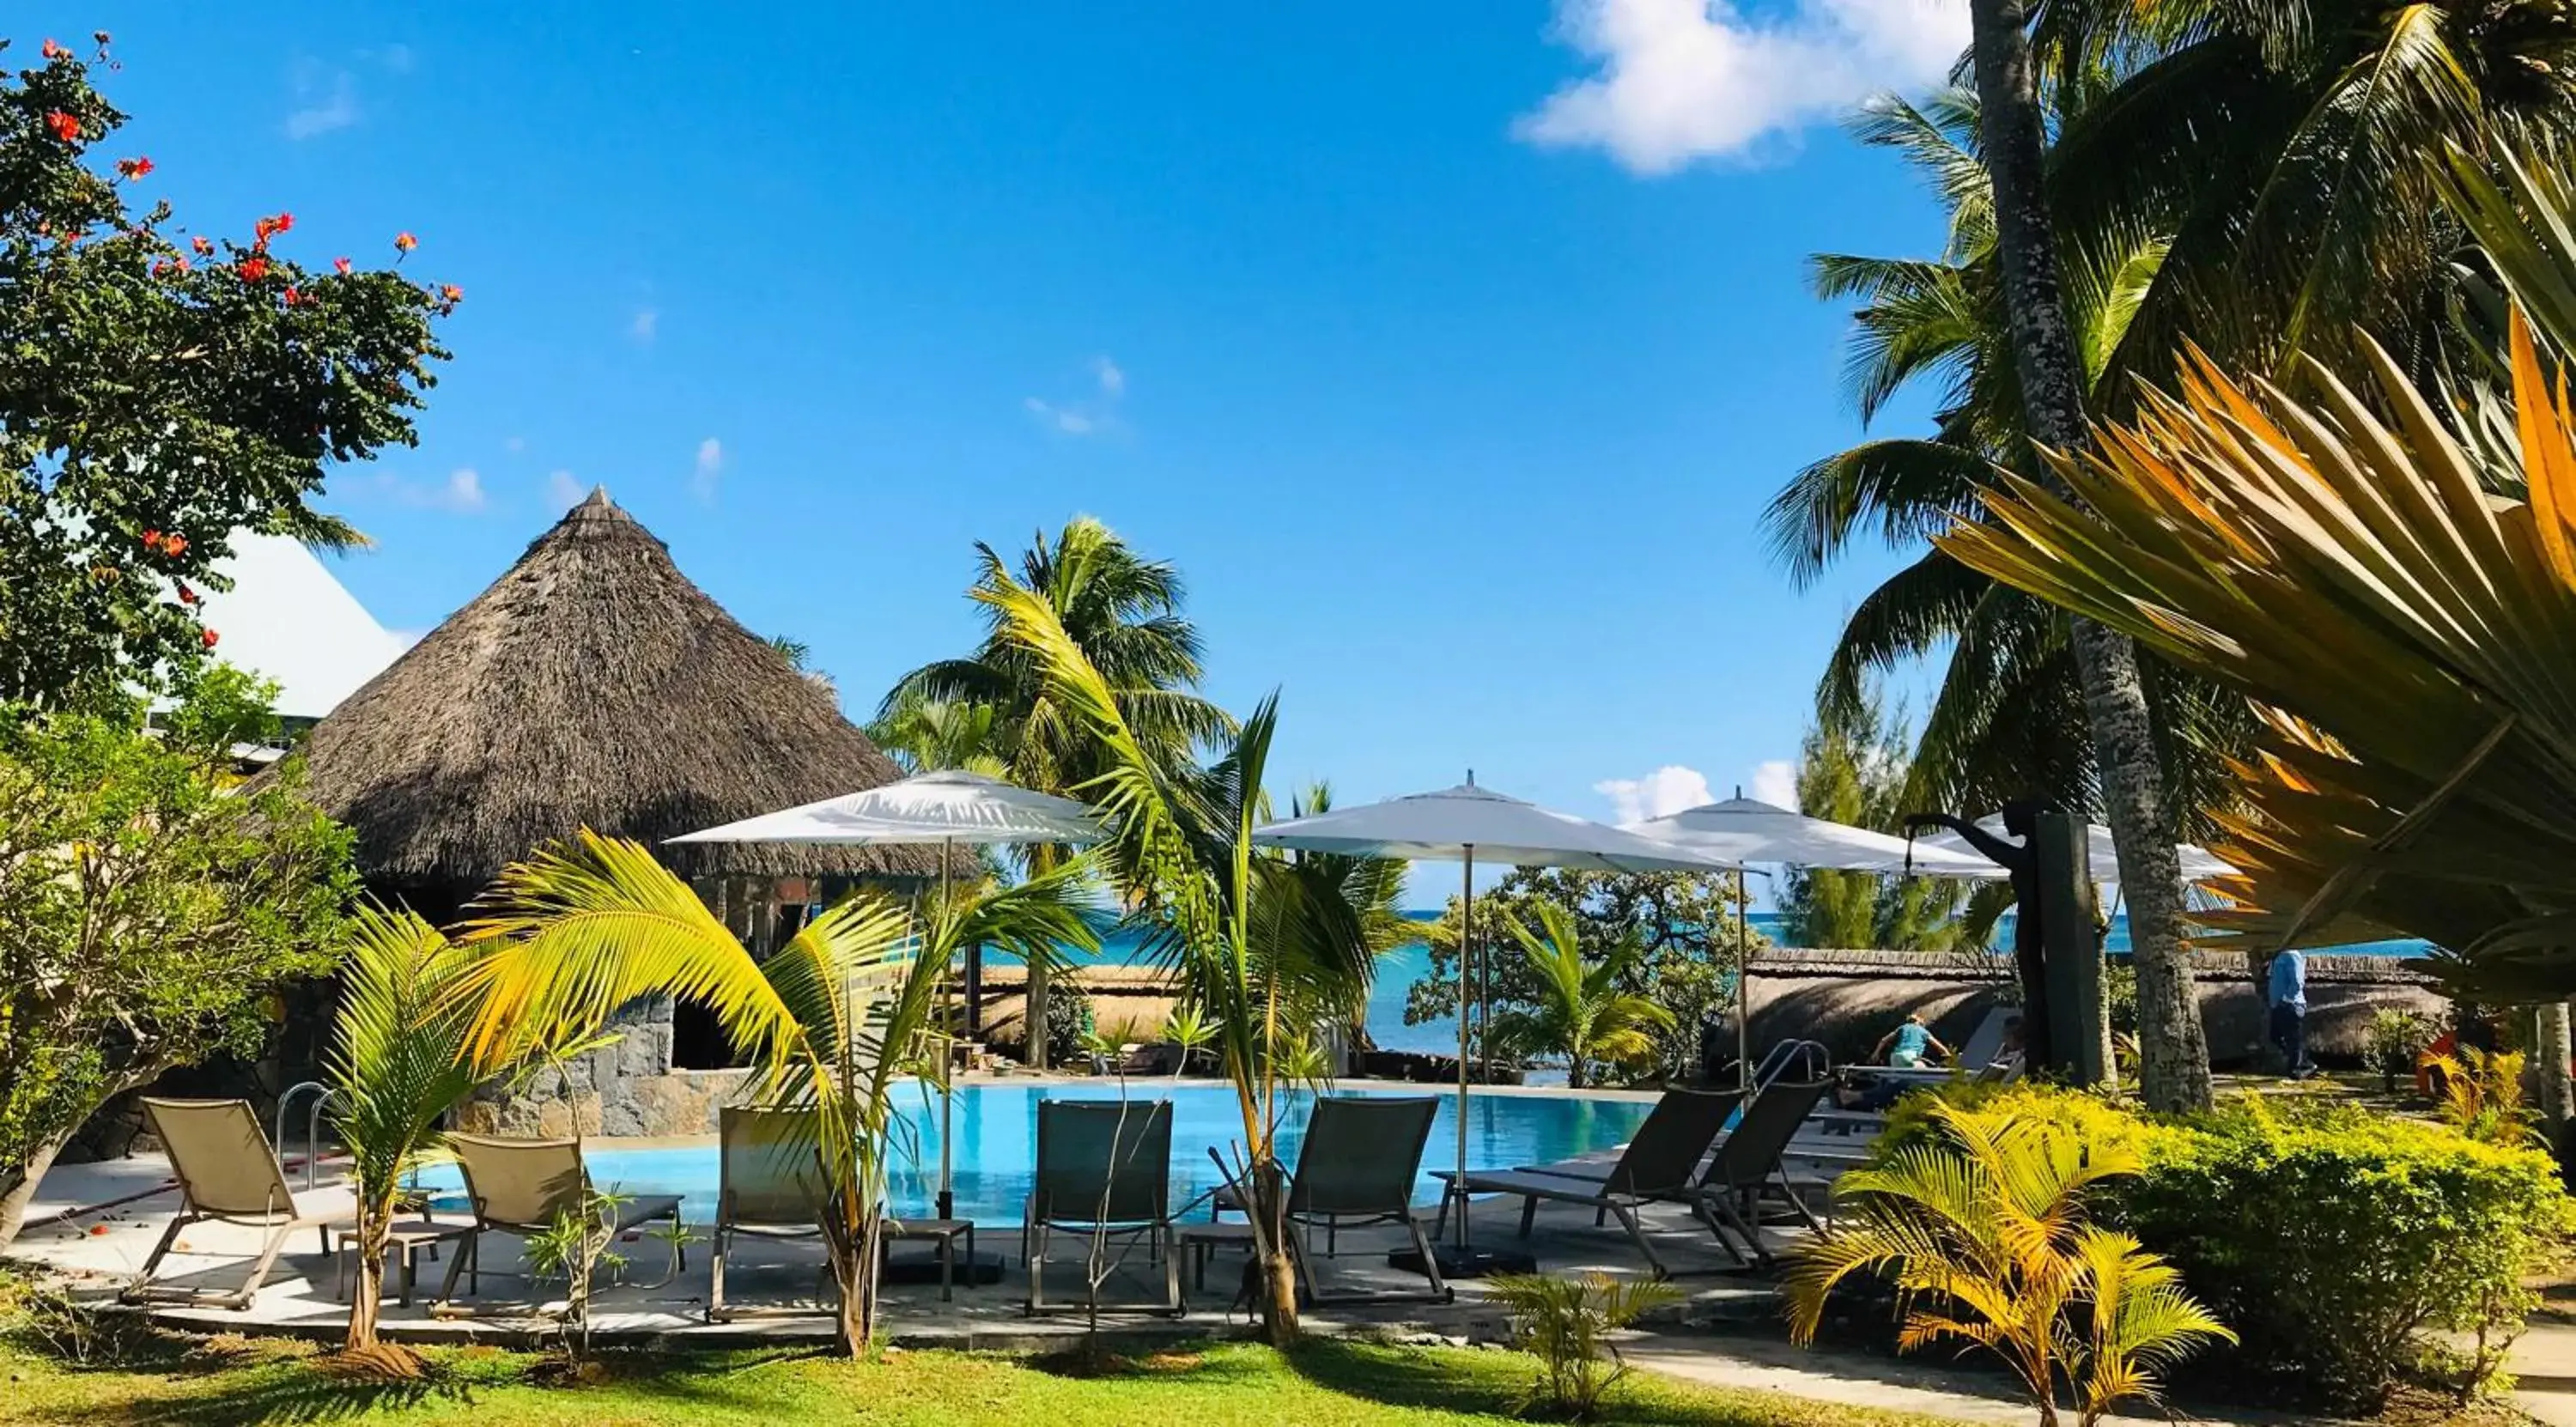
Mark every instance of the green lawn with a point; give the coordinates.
(1327, 1384)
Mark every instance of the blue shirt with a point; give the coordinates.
(2290, 979)
(1912, 1040)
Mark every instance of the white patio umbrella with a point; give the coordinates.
(1743, 830)
(948, 807)
(1465, 824)
(2199, 864)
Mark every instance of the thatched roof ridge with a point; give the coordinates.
(592, 685)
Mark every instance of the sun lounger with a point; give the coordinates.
(1356, 1167)
(1657, 1165)
(1749, 1162)
(523, 1187)
(227, 1173)
(770, 1184)
(1104, 1171)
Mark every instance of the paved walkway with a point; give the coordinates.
(2544, 1368)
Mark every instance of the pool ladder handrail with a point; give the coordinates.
(312, 1126)
(1806, 1056)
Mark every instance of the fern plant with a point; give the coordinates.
(1983, 1230)
(1567, 1324)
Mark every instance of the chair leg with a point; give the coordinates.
(152, 1262)
(1430, 1264)
(259, 1268)
(1301, 1249)
(715, 1274)
(457, 1266)
(1701, 1211)
(1529, 1213)
(947, 1266)
(1172, 1300)
(1637, 1235)
(1750, 1229)
(1034, 1255)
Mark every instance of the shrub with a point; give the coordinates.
(2331, 1238)
(2394, 1038)
(1566, 1323)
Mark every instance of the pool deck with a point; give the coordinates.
(94, 1224)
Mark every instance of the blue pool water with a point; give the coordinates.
(997, 1137)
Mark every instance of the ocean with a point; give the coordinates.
(1398, 971)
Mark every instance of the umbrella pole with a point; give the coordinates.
(947, 1068)
(1743, 987)
(1466, 946)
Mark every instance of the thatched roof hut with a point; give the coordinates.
(591, 686)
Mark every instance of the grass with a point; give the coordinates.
(227, 1381)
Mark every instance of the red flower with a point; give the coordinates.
(134, 167)
(202, 246)
(253, 269)
(209, 636)
(174, 545)
(452, 293)
(284, 221)
(183, 265)
(152, 540)
(187, 595)
(96, 1231)
(405, 242)
(65, 127)
(55, 51)
(292, 295)
(342, 264)
(161, 268)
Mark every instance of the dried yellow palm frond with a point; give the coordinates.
(2410, 639)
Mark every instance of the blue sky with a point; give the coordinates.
(1451, 349)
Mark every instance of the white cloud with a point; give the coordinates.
(1066, 419)
(1085, 418)
(646, 326)
(326, 104)
(1776, 782)
(461, 492)
(711, 460)
(1669, 789)
(1680, 80)
(562, 491)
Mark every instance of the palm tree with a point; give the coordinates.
(1580, 1012)
(1123, 613)
(1262, 945)
(1983, 1229)
(924, 734)
(2347, 565)
(397, 1065)
(1994, 319)
(836, 1022)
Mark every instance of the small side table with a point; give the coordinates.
(407, 1238)
(1202, 1241)
(945, 1233)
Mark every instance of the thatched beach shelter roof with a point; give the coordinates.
(591, 686)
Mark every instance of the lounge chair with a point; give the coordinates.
(1748, 1162)
(769, 1178)
(1104, 1171)
(1357, 1166)
(226, 1172)
(1656, 1165)
(522, 1187)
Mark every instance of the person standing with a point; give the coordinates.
(2288, 993)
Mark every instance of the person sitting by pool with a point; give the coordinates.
(1882, 1092)
(1910, 1045)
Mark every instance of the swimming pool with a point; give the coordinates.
(997, 1138)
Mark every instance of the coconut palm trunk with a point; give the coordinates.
(2174, 1057)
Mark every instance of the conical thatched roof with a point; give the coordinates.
(592, 685)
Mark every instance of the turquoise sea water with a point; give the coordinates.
(997, 1139)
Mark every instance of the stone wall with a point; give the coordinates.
(625, 1088)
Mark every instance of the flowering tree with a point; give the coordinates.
(160, 390)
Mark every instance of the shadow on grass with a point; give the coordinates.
(1501, 1384)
